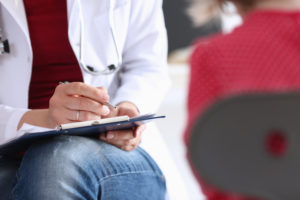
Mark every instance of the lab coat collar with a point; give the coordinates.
(17, 11)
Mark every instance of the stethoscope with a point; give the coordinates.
(4, 46)
(110, 68)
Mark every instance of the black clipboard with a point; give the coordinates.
(20, 144)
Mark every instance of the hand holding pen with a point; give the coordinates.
(77, 101)
(73, 102)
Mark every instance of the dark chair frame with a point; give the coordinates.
(228, 150)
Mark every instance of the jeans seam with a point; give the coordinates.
(137, 172)
(13, 193)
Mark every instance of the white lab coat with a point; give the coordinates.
(140, 35)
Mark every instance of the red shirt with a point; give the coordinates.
(262, 55)
(53, 57)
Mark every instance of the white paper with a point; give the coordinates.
(95, 122)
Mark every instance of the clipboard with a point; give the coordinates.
(20, 144)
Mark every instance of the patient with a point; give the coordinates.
(262, 55)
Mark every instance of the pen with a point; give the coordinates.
(104, 103)
(109, 105)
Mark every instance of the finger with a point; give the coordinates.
(130, 145)
(61, 116)
(126, 145)
(76, 115)
(124, 135)
(139, 130)
(77, 88)
(113, 112)
(85, 116)
(127, 111)
(120, 135)
(86, 104)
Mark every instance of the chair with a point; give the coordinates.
(250, 145)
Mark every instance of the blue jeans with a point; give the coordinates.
(76, 168)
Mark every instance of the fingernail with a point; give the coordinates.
(110, 136)
(105, 97)
(105, 110)
(102, 137)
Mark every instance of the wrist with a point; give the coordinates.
(37, 118)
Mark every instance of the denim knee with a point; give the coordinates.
(79, 167)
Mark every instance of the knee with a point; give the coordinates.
(56, 166)
(68, 162)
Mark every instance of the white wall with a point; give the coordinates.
(172, 127)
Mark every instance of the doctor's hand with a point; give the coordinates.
(127, 140)
(74, 102)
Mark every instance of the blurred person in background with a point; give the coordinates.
(108, 51)
(261, 55)
(182, 32)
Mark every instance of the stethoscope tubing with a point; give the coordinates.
(111, 68)
(4, 45)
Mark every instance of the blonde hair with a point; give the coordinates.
(201, 11)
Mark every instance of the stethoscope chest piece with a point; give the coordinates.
(110, 69)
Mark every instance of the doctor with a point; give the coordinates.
(108, 51)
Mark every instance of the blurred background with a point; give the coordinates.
(182, 33)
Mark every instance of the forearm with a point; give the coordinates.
(36, 118)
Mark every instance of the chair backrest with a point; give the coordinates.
(250, 145)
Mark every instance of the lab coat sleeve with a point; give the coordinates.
(9, 120)
(145, 78)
